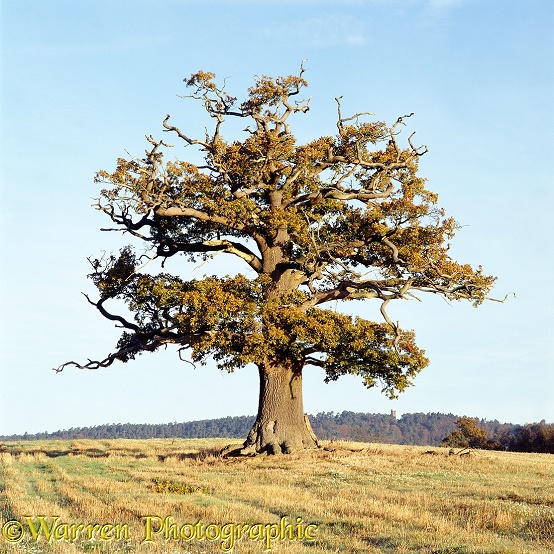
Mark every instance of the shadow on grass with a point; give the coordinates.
(204, 455)
(53, 453)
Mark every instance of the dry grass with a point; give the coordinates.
(363, 498)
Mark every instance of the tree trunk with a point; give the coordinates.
(281, 425)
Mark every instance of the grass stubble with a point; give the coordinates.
(362, 497)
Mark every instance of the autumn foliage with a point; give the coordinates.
(470, 434)
(343, 217)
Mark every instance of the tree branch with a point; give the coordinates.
(181, 135)
(122, 353)
(222, 245)
(107, 315)
(394, 249)
(346, 290)
(341, 119)
(503, 300)
(149, 344)
(175, 211)
(336, 193)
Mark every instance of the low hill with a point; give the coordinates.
(410, 429)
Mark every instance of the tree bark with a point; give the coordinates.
(281, 425)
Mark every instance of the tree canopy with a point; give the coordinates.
(469, 434)
(343, 217)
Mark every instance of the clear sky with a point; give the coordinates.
(83, 82)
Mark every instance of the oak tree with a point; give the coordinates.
(469, 434)
(341, 218)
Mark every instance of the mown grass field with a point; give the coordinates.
(361, 497)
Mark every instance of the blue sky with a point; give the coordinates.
(84, 82)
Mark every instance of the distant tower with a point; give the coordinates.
(393, 414)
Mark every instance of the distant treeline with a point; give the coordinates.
(410, 429)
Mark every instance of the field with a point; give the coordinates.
(179, 496)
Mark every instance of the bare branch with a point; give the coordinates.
(385, 315)
(341, 120)
(416, 150)
(345, 290)
(148, 344)
(157, 144)
(394, 249)
(175, 211)
(221, 245)
(336, 193)
(107, 315)
(119, 355)
(180, 134)
(501, 301)
(309, 360)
